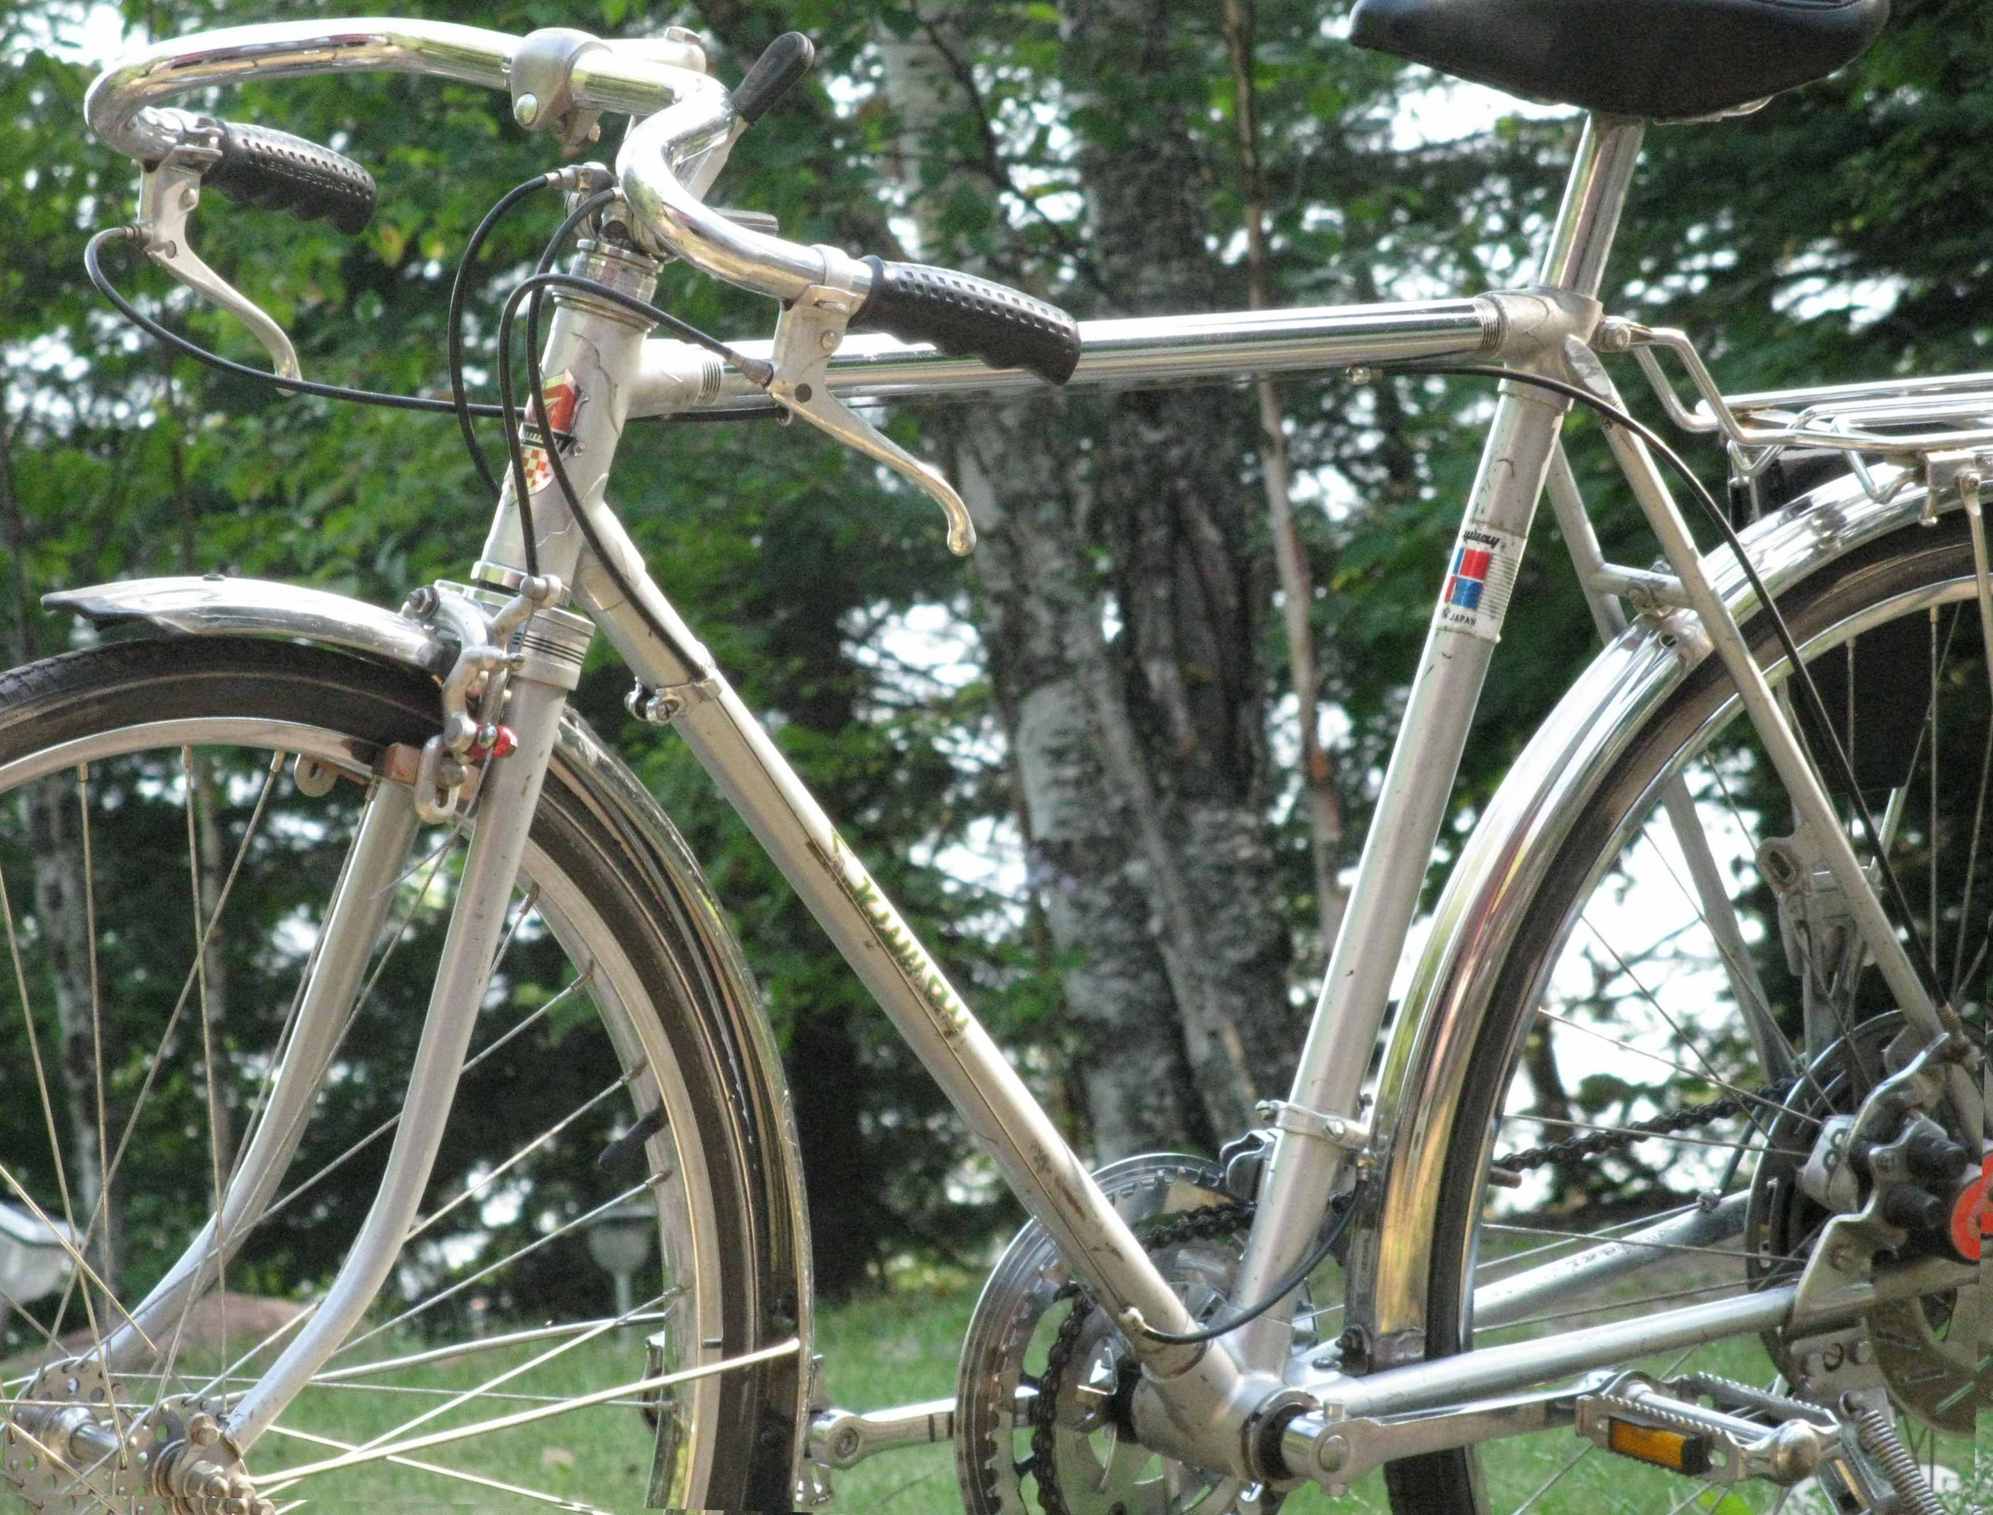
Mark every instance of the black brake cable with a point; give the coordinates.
(459, 289)
(94, 268)
(515, 448)
(1802, 677)
(1338, 1222)
(757, 370)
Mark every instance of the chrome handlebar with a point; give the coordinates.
(685, 122)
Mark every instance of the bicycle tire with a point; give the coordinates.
(1829, 612)
(722, 1442)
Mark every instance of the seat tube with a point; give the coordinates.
(1522, 437)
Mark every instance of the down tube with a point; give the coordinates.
(1000, 1111)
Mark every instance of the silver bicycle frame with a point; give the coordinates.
(1193, 1399)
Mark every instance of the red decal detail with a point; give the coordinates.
(1474, 563)
(1972, 1216)
(563, 400)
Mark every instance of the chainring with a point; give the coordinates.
(1026, 1305)
(1930, 1351)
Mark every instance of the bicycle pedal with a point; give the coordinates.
(1650, 1422)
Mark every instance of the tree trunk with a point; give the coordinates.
(1140, 752)
(84, 1044)
(1297, 588)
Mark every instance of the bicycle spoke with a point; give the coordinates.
(41, 1072)
(96, 1030)
(82, 1263)
(1667, 1062)
(438, 1470)
(202, 948)
(638, 1386)
(394, 1120)
(1673, 1025)
(559, 1349)
(1971, 873)
(1644, 1302)
(159, 1057)
(1730, 1254)
(504, 1262)
(1652, 1136)
(471, 1191)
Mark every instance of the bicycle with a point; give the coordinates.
(1163, 1336)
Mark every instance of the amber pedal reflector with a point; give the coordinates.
(1664, 1449)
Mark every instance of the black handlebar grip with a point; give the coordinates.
(278, 171)
(786, 60)
(971, 318)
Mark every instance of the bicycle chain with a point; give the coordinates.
(1208, 1224)
(1216, 1221)
(1688, 1118)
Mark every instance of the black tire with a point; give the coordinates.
(722, 1141)
(1860, 586)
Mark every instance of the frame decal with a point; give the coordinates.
(1480, 576)
(945, 1008)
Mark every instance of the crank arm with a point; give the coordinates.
(845, 1438)
(808, 331)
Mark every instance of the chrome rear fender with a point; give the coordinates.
(743, 1043)
(1511, 851)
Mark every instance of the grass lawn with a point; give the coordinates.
(895, 1349)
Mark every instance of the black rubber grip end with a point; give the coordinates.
(786, 60)
(970, 318)
(278, 171)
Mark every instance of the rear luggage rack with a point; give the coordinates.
(1896, 420)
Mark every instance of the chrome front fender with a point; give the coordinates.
(744, 1041)
(1427, 1062)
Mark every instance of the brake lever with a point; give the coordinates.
(167, 196)
(807, 332)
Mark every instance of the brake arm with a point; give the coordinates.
(807, 332)
(168, 193)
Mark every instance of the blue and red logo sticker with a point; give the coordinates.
(1479, 579)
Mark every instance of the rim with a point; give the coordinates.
(461, 1343)
(1622, 950)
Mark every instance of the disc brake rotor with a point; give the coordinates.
(1014, 1335)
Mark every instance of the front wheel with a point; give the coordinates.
(177, 814)
(1659, 1055)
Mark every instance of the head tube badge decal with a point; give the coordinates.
(563, 400)
(1479, 579)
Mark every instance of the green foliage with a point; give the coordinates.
(788, 557)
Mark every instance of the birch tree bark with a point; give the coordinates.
(85, 1045)
(1121, 614)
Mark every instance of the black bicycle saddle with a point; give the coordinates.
(1661, 59)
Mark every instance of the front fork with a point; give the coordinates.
(524, 684)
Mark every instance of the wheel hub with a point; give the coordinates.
(64, 1455)
(1927, 1352)
(71, 1451)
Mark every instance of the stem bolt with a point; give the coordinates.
(526, 109)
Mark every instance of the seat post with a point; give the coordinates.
(1594, 196)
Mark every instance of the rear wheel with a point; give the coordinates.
(1630, 1072)
(166, 875)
